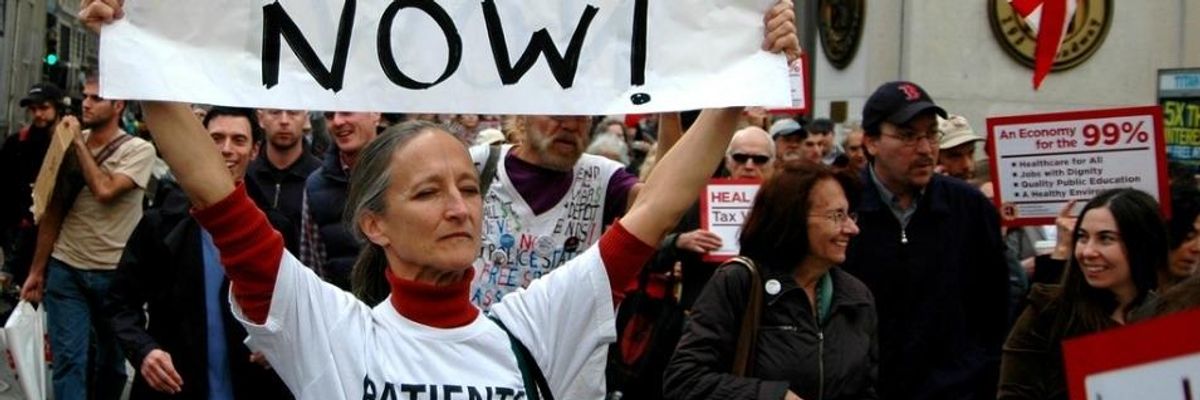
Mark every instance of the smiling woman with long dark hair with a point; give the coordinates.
(1120, 245)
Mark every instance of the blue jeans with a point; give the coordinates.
(75, 313)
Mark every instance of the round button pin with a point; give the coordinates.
(773, 287)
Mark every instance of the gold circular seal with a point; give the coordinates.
(840, 23)
(1085, 33)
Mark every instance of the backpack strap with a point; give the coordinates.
(531, 373)
(748, 333)
(489, 172)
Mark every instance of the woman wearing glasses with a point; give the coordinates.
(816, 336)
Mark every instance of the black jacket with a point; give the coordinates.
(834, 361)
(20, 161)
(163, 269)
(942, 296)
(284, 191)
(696, 271)
(326, 192)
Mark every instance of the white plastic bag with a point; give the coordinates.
(25, 337)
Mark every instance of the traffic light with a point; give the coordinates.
(51, 57)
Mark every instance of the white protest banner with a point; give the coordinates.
(724, 206)
(447, 56)
(1040, 162)
(1155, 359)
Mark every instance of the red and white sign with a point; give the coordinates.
(1040, 162)
(798, 79)
(724, 206)
(1156, 359)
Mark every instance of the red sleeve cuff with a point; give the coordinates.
(250, 250)
(623, 256)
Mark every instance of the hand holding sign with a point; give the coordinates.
(698, 241)
(97, 13)
(781, 30)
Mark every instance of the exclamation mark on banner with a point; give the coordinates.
(637, 61)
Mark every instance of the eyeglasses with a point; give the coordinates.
(758, 159)
(838, 217)
(910, 138)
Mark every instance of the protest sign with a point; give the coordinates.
(1156, 359)
(47, 177)
(1181, 124)
(799, 83)
(1040, 162)
(448, 56)
(1179, 96)
(724, 206)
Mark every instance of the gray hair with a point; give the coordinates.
(608, 144)
(369, 182)
(851, 127)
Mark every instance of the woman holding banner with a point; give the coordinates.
(1120, 245)
(817, 331)
(414, 197)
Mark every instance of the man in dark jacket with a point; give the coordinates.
(326, 245)
(930, 251)
(283, 167)
(20, 160)
(192, 347)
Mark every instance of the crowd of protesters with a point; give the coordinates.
(366, 255)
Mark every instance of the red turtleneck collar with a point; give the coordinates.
(437, 306)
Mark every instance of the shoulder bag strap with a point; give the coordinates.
(489, 170)
(111, 148)
(748, 333)
(535, 381)
(72, 182)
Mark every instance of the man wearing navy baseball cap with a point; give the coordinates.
(930, 251)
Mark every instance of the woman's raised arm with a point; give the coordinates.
(185, 145)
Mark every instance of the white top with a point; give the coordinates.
(326, 344)
(518, 246)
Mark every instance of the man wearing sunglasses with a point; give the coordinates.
(931, 253)
(750, 154)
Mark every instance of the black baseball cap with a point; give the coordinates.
(43, 92)
(897, 102)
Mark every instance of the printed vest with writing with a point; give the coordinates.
(517, 246)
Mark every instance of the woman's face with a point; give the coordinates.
(1101, 253)
(1185, 258)
(433, 207)
(830, 224)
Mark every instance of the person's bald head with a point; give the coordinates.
(750, 153)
